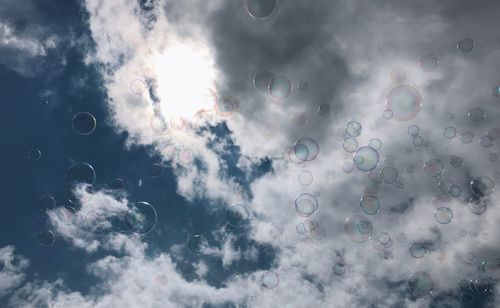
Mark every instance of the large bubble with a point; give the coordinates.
(141, 218)
(405, 102)
(306, 204)
(238, 216)
(84, 123)
(420, 284)
(81, 173)
(366, 159)
(358, 228)
(482, 186)
(476, 114)
(260, 9)
(370, 205)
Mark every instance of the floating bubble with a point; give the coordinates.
(455, 191)
(375, 144)
(81, 173)
(401, 237)
(486, 141)
(34, 154)
(384, 239)
(467, 137)
(387, 114)
(47, 203)
(443, 215)
(482, 186)
(260, 9)
(405, 102)
(477, 208)
(339, 268)
(370, 205)
(158, 124)
(433, 167)
(429, 63)
(324, 110)
(398, 75)
(238, 216)
(491, 269)
(262, 80)
(270, 280)
(305, 177)
(366, 159)
(455, 161)
(280, 88)
(413, 130)
(347, 167)
(450, 132)
(306, 149)
(417, 250)
(198, 245)
(496, 91)
(418, 141)
(353, 129)
(476, 114)
(117, 184)
(350, 145)
(141, 218)
(84, 123)
(138, 86)
(227, 106)
(444, 185)
(155, 170)
(45, 238)
(306, 204)
(358, 228)
(79, 192)
(185, 156)
(465, 45)
(389, 175)
(420, 284)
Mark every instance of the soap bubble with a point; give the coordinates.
(465, 45)
(353, 129)
(366, 159)
(429, 63)
(350, 145)
(443, 215)
(358, 228)
(476, 114)
(433, 167)
(449, 132)
(417, 250)
(370, 205)
(270, 280)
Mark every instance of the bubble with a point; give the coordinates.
(197, 244)
(476, 114)
(389, 175)
(384, 239)
(66, 215)
(496, 91)
(339, 268)
(117, 184)
(401, 237)
(493, 157)
(455, 191)
(413, 130)
(405, 102)
(449, 132)
(138, 86)
(417, 250)
(306, 149)
(185, 156)
(477, 208)
(470, 256)
(324, 110)
(443, 215)
(486, 141)
(45, 238)
(418, 141)
(227, 106)
(260, 9)
(238, 216)
(491, 269)
(158, 124)
(350, 145)
(47, 203)
(34, 154)
(482, 186)
(353, 129)
(347, 167)
(306, 204)
(270, 280)
(262, 80)
(483, 286)
(444, 185)
(305, 177)
(455, 161)
(465, 45)
(141, 218)
(358, 228)
(375, 144)
(387, 114)
(280, 88)
(429, 63)
(433, 167)
(420, 284)
(81, 173)
(370, 205)
(84, 123)
(467, 137)
(366, 159)
(155, 170)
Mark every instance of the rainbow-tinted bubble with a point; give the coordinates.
(197, 244)
(405, 102)
(350, 145)
(366, 159)
(358, 228)
(467, 137)
(84, 123)
(375, 144)
(476, 114)
(47, 203)
(141, 218)
(306, 204)
(370, 205)
(155, 170)
(482, 186)
(305, 149)
(387, 114)
(443, 215)
(413, 130)
(353, 129)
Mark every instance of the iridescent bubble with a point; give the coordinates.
(350, 145)
(413, 130)
(449, 132)
(465, 45)
(491, 269)
(467, 137)
(238, 216)
(358, 228)
(418, 141)
(339, 268)
(84, 123)
(444, 185)
(306, 204)
(370, 205)
(347, 166)
(429, 63)
(81, 173)
(306, 149)
(260, 9)
(262, 80)
(443, 215)
(455, 161)
(496, 91)
(366, 159)
(387, 114)
(389, 175)
(227, 106)
(375, 144)
(476, 114)
(420, 284)
(141, 218)
(47, 203)
(384, 239)
(138, 86)
(433, 167)
(353, 129)
(482, 186)
(155, 170)
(486, 141)
(280, 88)
(405, 102)
(270, 280)
(197, 245)
(34, 154)
(305, 177)
(45, 238)
(324, 110)
(417, 250)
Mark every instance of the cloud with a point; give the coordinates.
(12, 268)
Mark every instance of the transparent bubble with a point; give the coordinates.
(227, 106)
(455, 161)
(401, 237)
(262, 80)
(138, 86)
(486, 141)
(455, 191)
(482, 286)
(467, 137)
(449, 132)
(347, 167)
(370, 205)
(375, 144)
(270, 280)
(387, 114)
(496, 91)
(493, 157)
(238, 216)
(429, 63)
(84, 123)
(389, 175)
(353, 129)
(306, 149)
(476, 114)
(444, 185)
(470, 256)
(141, 218)
(280, 88)
(306, 204)
(418, 141)
(45, 238)
(197, 245)
(47, 203)
(491, 269)
(324, 110)
(405, 102)
(413, 130)
(482, 186)
(384, 239)
(305, 177)
(366, 159)
(155, 170)
(339, 268)
(358, 228)
(417, 250)
(420, 284)
(159, 125)
(465, 45)
(81, 173)
(350, 145)
(260, 9)
(477, 208)
(433, 167)
(34, 154)
(443, 215)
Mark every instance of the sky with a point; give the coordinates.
(250, 153)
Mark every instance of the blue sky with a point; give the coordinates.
(240, 190)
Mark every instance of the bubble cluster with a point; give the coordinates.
(358, 228)
(375, 144)
(405, 102)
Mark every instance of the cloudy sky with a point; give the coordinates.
(250, 153)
